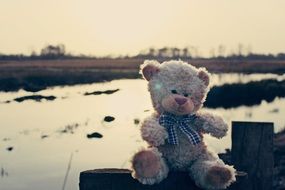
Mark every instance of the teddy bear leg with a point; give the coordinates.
(210, 172)
(148, 166)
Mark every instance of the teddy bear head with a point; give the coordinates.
(175, 86)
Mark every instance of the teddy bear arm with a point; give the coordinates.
(153, 132)
(212, 124)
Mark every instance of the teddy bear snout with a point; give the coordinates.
(180, 100)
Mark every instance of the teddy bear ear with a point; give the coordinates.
(149, 69)
(204, 76)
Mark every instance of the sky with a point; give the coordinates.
(125, 27)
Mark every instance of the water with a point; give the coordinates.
(41, 151)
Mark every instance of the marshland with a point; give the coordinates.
(72, 98)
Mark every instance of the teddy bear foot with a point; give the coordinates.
(149, 167)
(219, 177)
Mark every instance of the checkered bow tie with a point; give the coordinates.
(171, 122)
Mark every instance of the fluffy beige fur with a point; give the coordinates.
(168, 83)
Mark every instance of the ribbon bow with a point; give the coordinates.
(171, 122)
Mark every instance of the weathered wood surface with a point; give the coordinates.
(121, 179)
(252, 152)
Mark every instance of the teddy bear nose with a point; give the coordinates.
(180, 100)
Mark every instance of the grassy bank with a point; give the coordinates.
(249, 94)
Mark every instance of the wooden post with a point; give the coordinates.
(252, 152)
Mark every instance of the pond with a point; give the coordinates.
(38, 139)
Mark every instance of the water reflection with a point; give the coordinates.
(44, 134)
(4, 173)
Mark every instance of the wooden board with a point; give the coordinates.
(252, 152)
(121, 179)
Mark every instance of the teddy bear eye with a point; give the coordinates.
(173, 91)
(187, 94)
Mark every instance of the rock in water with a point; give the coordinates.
(109, 118)
(101, 92)
(36, 98)
(136, 121)
(94, 135)
(10, 148)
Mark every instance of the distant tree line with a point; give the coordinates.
(241, 53)
(48, 52)
(166, 52)
(186, 53)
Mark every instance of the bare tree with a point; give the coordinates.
(186, 53)
(164, 52)
(175, 52)
(52, 52)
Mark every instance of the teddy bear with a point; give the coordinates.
(174, 132)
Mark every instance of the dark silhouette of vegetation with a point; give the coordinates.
(220, 53)
(165, 52)
(249, 94)
(53, 52)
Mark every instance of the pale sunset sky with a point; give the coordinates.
(104, 27)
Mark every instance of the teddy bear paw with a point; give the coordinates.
(153, 133)
(220, 133)
(219, 177)
(148, 167)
